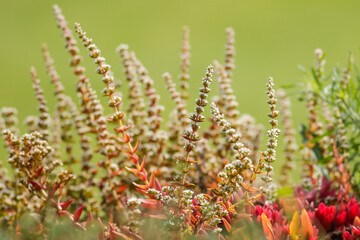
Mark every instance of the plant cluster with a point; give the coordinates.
(200, 175)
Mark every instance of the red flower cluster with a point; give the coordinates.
(331, 218)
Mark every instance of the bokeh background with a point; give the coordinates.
(272, 38)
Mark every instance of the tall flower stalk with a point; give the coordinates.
(192, 135)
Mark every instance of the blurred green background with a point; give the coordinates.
(272, 38)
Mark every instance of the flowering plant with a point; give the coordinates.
(137, 175)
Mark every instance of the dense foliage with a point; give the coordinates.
(143, 179)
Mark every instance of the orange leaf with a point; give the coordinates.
(126, 137)
(192, 161)
(124, 150)
(152, 180)
(143, 164)
(249, 189)
(18, 229)
(123, 129)
(42, 205)
(144, 187)
(189, 184)
(121, 189)
(267, 226)
(136, 173)
(150, 203)
(133, 157)
(227, 224)
(357, 221)
(306, 226)
(115, 173)
(193, 219)
(136, 147)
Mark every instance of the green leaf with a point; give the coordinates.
(318, 138)
(303, 130)
(316, 78)
(325, 160)
(317, 151)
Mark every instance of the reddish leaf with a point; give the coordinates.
(340, 219)
(144, 187)
(137, 173)
(121, 189)
(134, 158)
(65, 205)
(116, 235)
(101, 236)
(38, 172)
(346, 235)
(78, 212)
(136, 147)
(115, 173)
(126, 137)
(64, 213)
(157, 185)
(143, 164)
(123, 129)
(127, 232)
(53, 190)
(125, 151)
(150, 203)
(89, 220)
(134, 171)
(18, 230)
(353, 211)
(79, 225)
(41, 206)
(152, 180)
(35, 184)
(142, 191)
